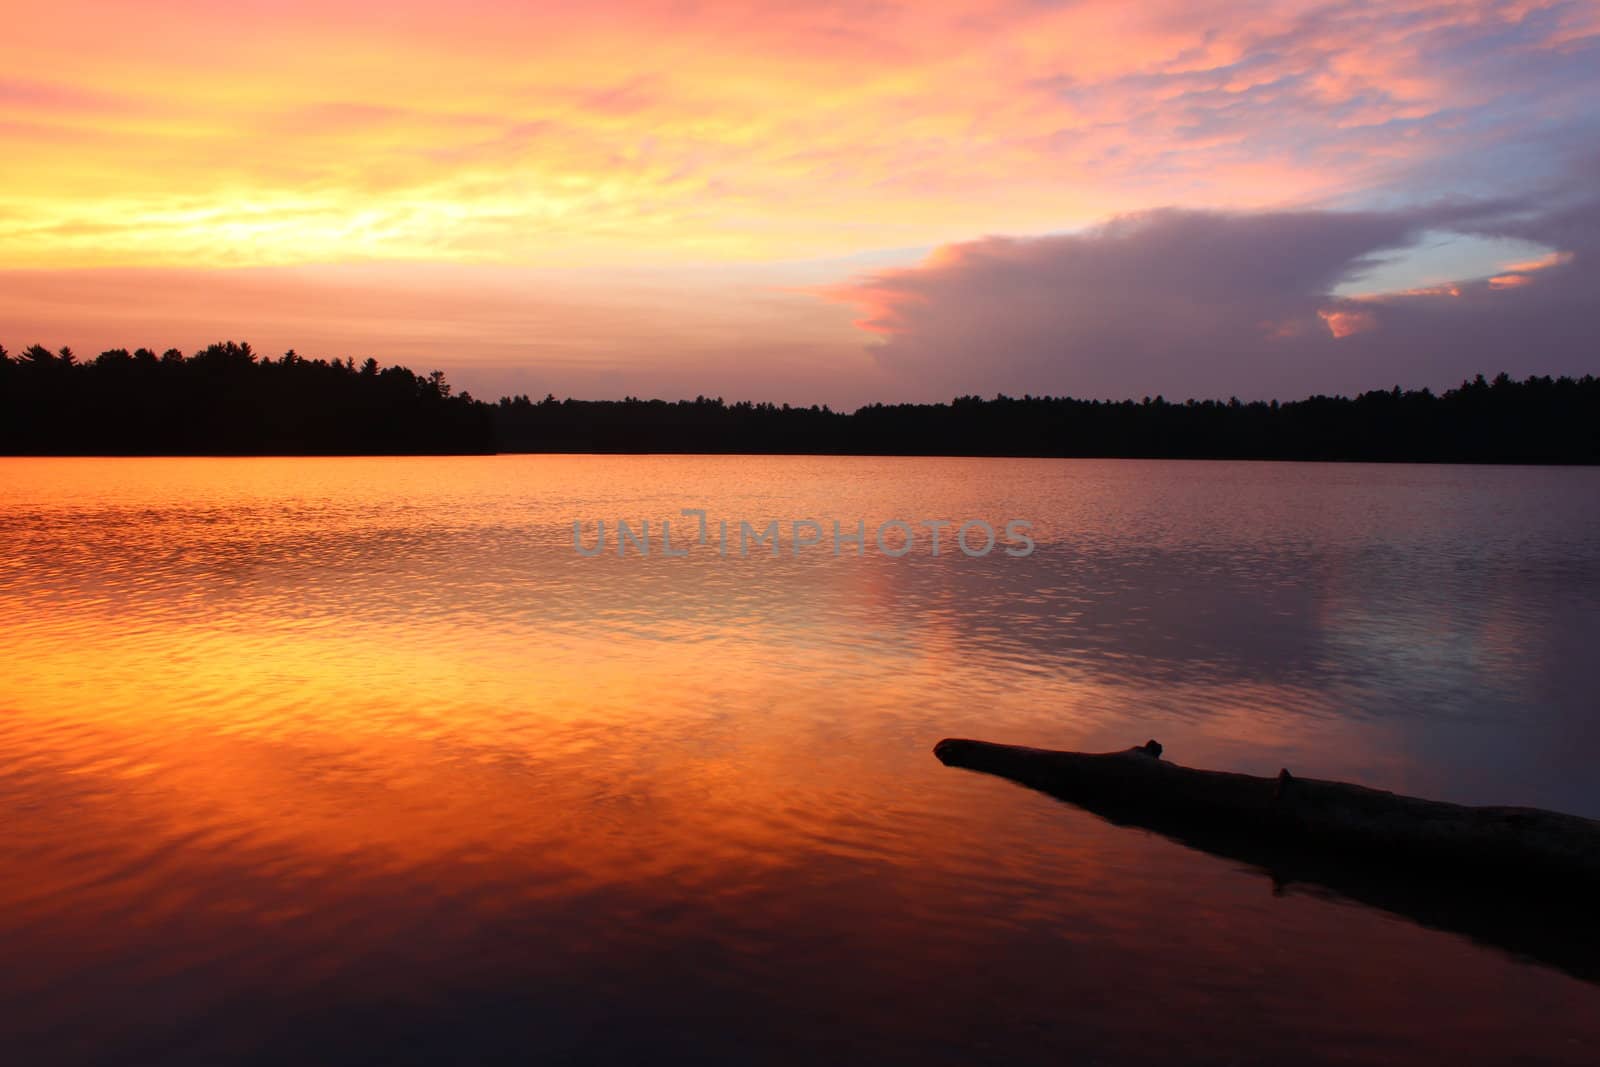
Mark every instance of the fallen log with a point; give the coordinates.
(1340, 815)
(1519, 879)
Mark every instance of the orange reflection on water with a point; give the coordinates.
(284, 739)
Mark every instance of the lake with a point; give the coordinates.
(360, 759)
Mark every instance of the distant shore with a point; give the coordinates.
(226, 400)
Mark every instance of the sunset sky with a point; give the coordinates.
(814, 202)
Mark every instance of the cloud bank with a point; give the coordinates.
(1198, 303)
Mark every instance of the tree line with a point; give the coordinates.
(225, 399)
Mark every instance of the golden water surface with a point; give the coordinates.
(358, 759)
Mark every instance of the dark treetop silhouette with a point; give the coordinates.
(227, 400)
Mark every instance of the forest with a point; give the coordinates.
(228, 400)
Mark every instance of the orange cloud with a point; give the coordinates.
(186, 133)
(1545, 262)
(1519, 274)
(1345, 323)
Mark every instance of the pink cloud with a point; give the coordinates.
(615, 130)
(1345, 323)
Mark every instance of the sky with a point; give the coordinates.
(814, 202)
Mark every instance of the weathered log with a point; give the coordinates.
(1349, 817)
(1520, 879)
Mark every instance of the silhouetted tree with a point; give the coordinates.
(224, 399)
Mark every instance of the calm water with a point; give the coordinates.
(358, 759)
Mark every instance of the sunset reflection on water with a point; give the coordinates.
(357, 756)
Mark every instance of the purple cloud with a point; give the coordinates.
(1192, 303)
